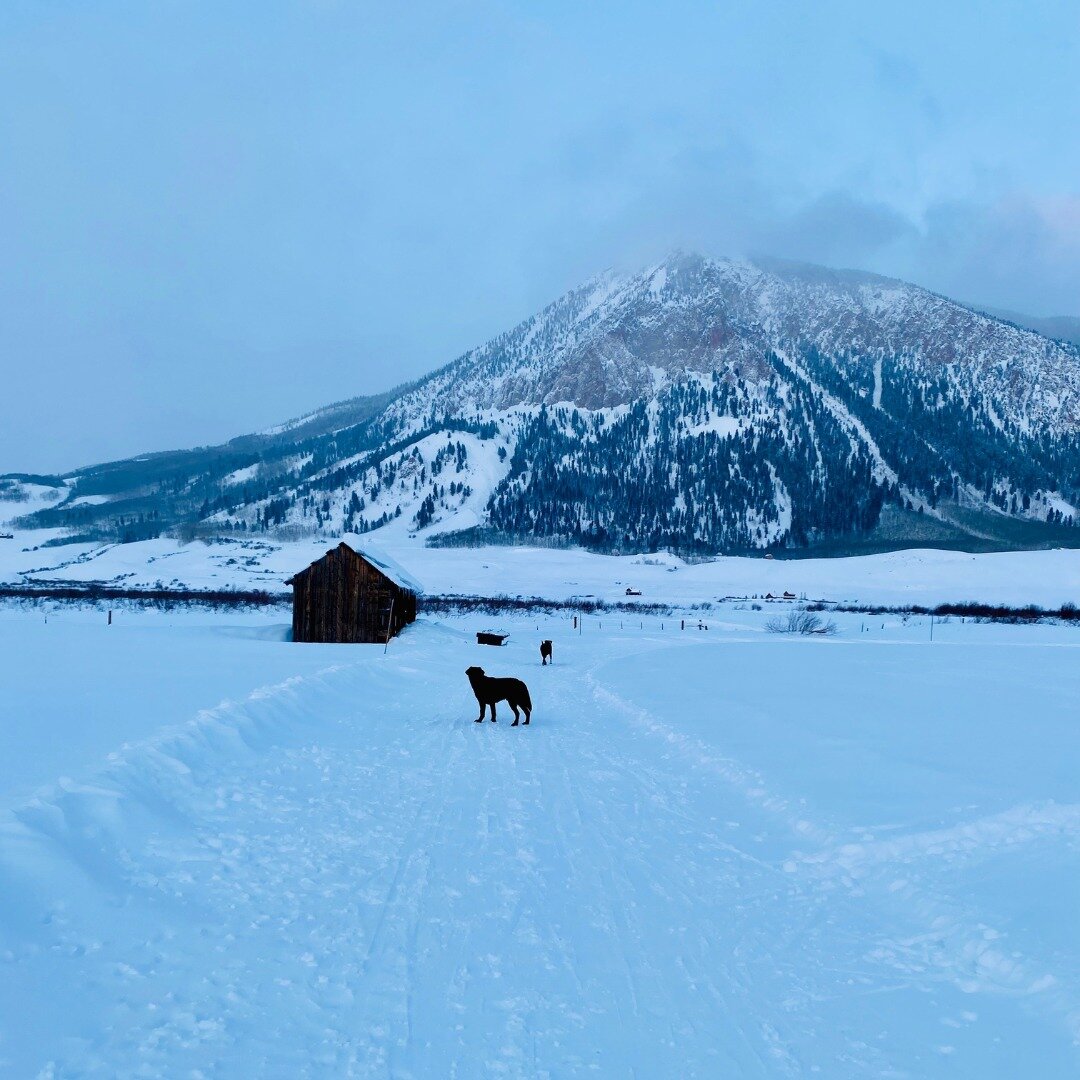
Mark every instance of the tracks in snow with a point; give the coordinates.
(949, 940)
(386, 889)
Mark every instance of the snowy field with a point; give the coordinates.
(918, 577)
(714, 852)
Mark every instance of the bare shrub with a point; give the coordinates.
(801, 622)
(294, 532)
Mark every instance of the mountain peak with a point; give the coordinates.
(702, 403)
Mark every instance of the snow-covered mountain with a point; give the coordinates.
(703, 405)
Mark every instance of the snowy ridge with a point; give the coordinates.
(86, 825)
(702, 315)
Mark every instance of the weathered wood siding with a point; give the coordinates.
(343, 598)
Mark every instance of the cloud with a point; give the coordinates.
(721, 196)
(1020, 252)
(839, 229)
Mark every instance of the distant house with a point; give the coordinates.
(352, 596)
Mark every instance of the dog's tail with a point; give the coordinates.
(527, 700)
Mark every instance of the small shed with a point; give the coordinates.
(352, 596)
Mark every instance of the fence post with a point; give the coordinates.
(389, 625)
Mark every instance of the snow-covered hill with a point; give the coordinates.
(700, 405)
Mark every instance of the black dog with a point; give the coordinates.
(545, 652)
(488, 691)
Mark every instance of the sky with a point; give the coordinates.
(215, 216)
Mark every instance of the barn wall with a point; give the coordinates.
(343, 598)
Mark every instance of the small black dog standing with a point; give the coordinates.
(545, 652)
(488, 691)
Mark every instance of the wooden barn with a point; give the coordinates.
(352, 596)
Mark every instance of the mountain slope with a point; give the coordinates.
(1058, 327)
(702, 405)
(137, 498)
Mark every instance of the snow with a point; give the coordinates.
(915, 577)
(922, 577)
(850, 423)
(482, 473)
(720, 425)
(390, 567)
(657, 280)
(240, 476)
(86, 687)
(714, 853)
(17, 499)
(1062, 506)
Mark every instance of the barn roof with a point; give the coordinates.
(393, 570)
(382, 562)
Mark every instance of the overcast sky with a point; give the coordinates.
(215, 216)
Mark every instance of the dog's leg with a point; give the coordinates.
(516, 717)
(528, 715)
(492, 708)
(480, 718)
